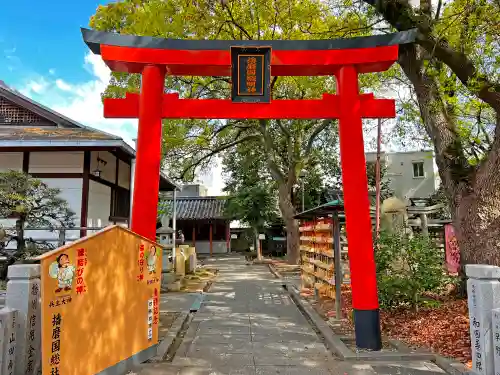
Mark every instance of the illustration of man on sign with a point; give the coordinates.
(63, 271)
(151, 257)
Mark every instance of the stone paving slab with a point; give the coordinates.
(226, 322)
(285, 337)
(290, 370)
(241, 347)
(219, 330)
(249, 325)
(208, 360)
(287, 349)
(177, 301)
(246, 370)
(222, 340)
(318, 361)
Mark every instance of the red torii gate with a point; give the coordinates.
(154, 58)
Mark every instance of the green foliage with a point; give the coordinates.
(407, 268)
(385, 188)
(287, 146)
(459, 38)
(251, 191)
(33, 204)
(32, 201)
(314, 182)
(439, 197)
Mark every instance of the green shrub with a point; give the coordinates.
(407, 267)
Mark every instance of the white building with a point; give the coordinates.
(92, 169)
(411, 174)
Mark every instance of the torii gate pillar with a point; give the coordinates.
(148, 153)
(357, 212)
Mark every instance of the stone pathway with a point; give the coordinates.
(248, 325)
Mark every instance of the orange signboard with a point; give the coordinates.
(100, 301)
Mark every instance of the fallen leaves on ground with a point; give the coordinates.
(443, 329)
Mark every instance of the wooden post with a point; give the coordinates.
(337, 261)
(228, 237)
(377, 178)
(211, 241)
(424, 225)
(85, 193)
(194, 234)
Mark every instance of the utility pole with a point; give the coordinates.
(303, 200)
(377, 179)
(302, 176)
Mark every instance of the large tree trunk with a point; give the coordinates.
(473, 192)
(292, 226)
(477, 224)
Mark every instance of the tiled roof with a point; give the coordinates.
(53, 133)
(198, 208)
(22, 101)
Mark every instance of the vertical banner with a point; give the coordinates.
(99, 302)
(451, 249)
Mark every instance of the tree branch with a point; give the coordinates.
(235, 23)
(283, 128)
(269, 147)
(273, 83)
(215, 152)
(401, 15)
(315, 133)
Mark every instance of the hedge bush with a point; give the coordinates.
(407, 268)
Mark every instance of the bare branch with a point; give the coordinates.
(438, 10)
(401, 15)
(268, 147)
(315, 133)
(215, 152)
(283, 128)
(233, 21)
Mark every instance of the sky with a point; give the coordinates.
(42, 55)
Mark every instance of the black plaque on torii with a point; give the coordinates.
(251, 74)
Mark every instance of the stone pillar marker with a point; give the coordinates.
(495, 315)
(23, 294)
(8, 330)
(483, 290)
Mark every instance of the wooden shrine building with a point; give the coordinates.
(203, 223)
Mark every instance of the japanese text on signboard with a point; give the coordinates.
(140, 263)
(82, 262)
(55, 358)
(251, 75)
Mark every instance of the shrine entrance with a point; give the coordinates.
(251, 64)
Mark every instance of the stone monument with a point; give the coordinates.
(483, 290)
